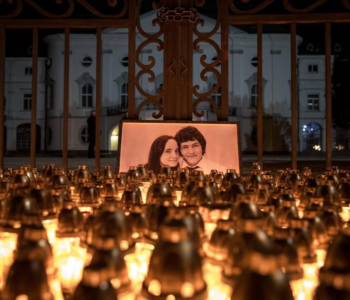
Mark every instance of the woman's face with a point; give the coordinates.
(170, 156)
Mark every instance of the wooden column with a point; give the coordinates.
(65, 100)
(34, 98)
(260, 108)
(2, 93)
(294, 98)
(178, 61)
(328, 96)
(98, 98)
(132, 60)
(224, 61)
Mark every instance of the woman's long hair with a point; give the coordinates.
(156, 152)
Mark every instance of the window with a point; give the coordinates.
(313, 68)
(254, 96)
(87, 95)
(217, 96)
(254, 61)
(27, 101)
(312, 137)
(124, 95)
(125, 61)
(313, 102)
(84, 135)
(28, 71)
(87, 61)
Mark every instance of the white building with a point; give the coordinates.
(82, 76)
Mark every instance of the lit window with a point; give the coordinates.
(124, 95)
(27, 101)
(87, 95)
(254, 96)
(28, 71)
(313, 102)
(313, 68)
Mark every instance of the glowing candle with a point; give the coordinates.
(69, 260)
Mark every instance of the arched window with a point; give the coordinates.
(312, 137)
(86, 85)
(254, 96)
(86, 95)
(124, 96)
(217, 96)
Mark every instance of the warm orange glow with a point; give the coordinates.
(216, 289)
(7, 246)
(137, 262)
(303, 289)
(209, 229)
(70, 261)
(56, 290)
(345, 214)
(51, 227)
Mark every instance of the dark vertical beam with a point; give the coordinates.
(260, 97)
(224, 60)
(65, 100)
(2, 93)
(98, 97)
(328, 96)
(132, 59)
(34, 98)
(294, 99)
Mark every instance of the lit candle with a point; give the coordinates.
(70, 261)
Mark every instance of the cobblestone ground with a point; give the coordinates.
(272, 163)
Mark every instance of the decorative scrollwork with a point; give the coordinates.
(146, 69)
(199, 3)
(286, 4)
(68, 13)
(205, 78)
(346, 4)
(179, 14)
(47, 14)
(311, 7)
(157, 5)
(203, 100)
(250, 11)
(111, 3)
(16, 11)
(205, 37)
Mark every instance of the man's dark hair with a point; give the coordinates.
(190, 133)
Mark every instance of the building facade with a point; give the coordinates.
(242, 90)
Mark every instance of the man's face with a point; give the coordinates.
(191, 152)
(94, 113)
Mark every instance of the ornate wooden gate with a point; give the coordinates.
(179, 34)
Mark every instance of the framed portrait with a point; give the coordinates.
(180, 144)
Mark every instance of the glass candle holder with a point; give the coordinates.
(70, 261)
(8, 242)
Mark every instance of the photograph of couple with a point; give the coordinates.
(201, 147)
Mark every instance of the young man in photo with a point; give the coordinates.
(192, 145)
